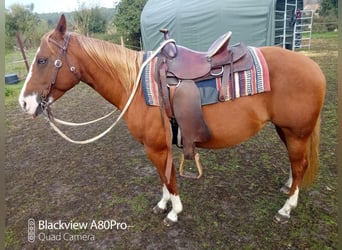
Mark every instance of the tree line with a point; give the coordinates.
(108, 24)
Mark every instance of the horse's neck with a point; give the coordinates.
(111, 71)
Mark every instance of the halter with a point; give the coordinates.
(58, 64)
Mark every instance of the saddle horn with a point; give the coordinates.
(166, 33)
(170, 49)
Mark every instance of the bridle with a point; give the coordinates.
(58, 64)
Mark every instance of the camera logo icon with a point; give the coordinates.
(31, 230)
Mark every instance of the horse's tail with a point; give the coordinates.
(312, 155)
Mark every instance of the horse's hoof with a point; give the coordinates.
(168, 222)
(281, 219)
(158, 210)
(285, 189)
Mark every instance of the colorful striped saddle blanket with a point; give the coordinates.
(246, 83)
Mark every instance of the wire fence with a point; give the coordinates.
(15, 64)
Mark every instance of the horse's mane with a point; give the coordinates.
(121, 63)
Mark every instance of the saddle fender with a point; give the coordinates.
(187, 109)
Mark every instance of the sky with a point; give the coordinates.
(47, 6)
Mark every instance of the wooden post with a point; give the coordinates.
(22, 51)
(122, 41)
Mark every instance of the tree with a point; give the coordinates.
(127, 20)
(81, 19)
(89, 20)
(20, 18)
(329, 7)
(97, 23)
(328, 14)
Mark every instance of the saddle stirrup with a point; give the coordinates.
(186, 174)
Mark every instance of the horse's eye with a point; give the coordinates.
(41, 60)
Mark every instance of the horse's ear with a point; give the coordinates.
(61, 26)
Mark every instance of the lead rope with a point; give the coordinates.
(135, 87)
(72, 124)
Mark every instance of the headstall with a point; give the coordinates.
(58, 64)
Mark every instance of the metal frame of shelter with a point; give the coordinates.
(293, 25)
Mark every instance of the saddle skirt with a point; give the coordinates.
(246, 83)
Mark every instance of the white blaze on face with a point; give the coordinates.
(29, 103)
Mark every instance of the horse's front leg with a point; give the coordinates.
(161, 206)
(169, 190)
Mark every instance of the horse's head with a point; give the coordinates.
(53, 71)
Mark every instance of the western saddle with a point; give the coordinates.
(179, 68)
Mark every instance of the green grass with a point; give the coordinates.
(11, 238)
(324, 35)
(14, 63)
(12, 92)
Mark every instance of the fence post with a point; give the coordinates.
(22, 51)
(122, 41)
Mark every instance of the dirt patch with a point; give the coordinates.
(231, 207)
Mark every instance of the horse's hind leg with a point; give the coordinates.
(297, 148)
(287, 186)
(285, 189)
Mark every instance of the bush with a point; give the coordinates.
(324, 24)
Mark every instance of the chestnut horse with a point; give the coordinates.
(293, 105)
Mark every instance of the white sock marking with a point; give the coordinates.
(165, 198)
(177, 207)
(290, 203)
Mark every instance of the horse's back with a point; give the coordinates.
(297, 87)
(299, 66)
(295, 101)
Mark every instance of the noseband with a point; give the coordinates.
(58, 64)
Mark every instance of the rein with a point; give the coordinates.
(47, 111)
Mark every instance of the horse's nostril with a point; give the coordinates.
(24, 105)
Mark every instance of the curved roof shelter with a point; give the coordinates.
(196, 24)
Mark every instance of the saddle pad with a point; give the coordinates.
(247, 83)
